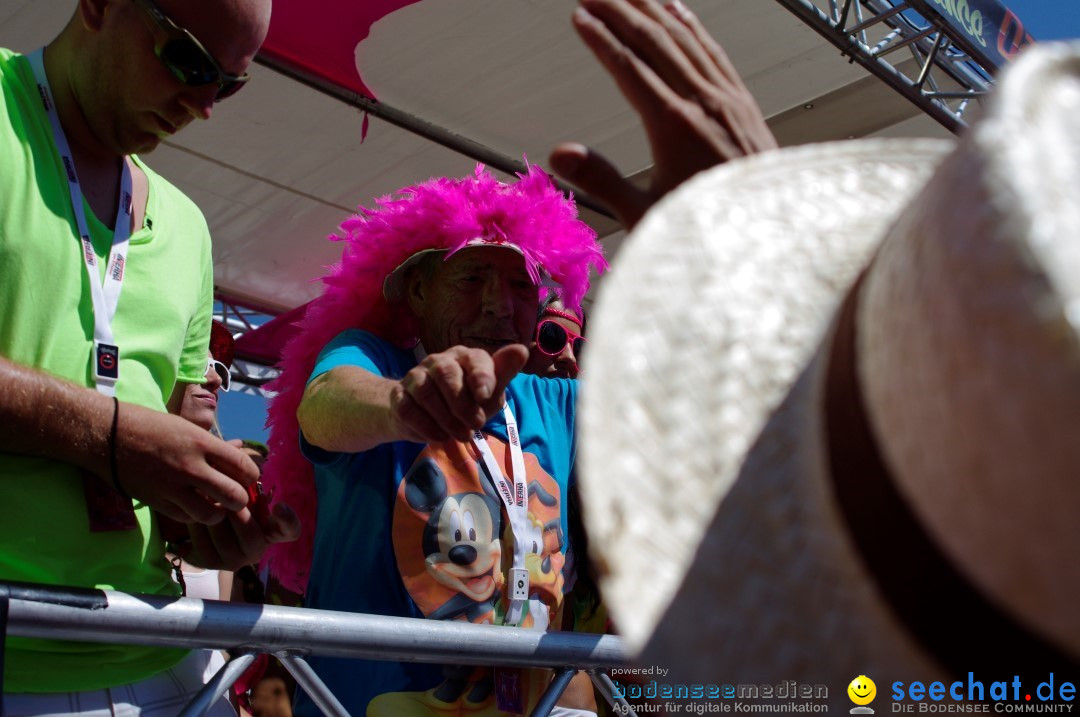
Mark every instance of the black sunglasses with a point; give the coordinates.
(186, 58)
(552, 338)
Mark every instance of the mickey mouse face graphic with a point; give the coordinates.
(463, 550)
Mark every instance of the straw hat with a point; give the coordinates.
(795, 467)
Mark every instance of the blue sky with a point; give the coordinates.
(243, 416)
(1048, 19)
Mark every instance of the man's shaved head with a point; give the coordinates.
(232, 30)
(129, 98)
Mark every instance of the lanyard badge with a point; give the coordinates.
(107, 362)
(106, 355)
(106, 509)
(514, 496)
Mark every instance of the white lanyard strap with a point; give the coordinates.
(514, 494)
(105, 299)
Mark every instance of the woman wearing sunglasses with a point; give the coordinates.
(199, 404)
(554, 352)
(557, 342)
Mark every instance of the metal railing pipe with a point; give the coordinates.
(116, 617)
(606, 687)
(554, 691)
(315, 688)
(224, 679)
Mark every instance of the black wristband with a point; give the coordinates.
(112, 450)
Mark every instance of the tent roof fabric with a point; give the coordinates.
(281, 165)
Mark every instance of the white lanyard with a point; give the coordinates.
(514, 494)
(105, 299)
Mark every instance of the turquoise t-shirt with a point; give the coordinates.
(417, 531)
(162, 326)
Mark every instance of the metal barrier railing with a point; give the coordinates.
(291, 633)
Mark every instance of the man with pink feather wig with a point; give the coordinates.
(430, 473)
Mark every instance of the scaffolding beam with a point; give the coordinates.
(248, 377)
(957, 48)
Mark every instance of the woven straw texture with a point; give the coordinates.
(711, 515)
(716, 305)
(970, 355)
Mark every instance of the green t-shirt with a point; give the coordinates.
(162, 327)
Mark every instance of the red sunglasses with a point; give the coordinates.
(552, 338)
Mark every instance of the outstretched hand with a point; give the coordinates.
(696, 110)
(452, 393)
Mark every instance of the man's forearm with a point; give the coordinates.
(46, 416)
(164, 461)
(347, 410)
(445, 397)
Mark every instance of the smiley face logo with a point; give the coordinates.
(862, 690)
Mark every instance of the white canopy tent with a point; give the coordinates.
(281, 164)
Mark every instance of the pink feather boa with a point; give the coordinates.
(441, 213)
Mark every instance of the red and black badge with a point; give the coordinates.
(108, 361)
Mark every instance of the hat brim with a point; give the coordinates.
(702, 468)
(394, 284)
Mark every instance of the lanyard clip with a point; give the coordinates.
(519, 584)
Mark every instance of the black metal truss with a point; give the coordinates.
(248, 377)
(936, 73)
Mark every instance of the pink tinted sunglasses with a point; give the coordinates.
(552, 338)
